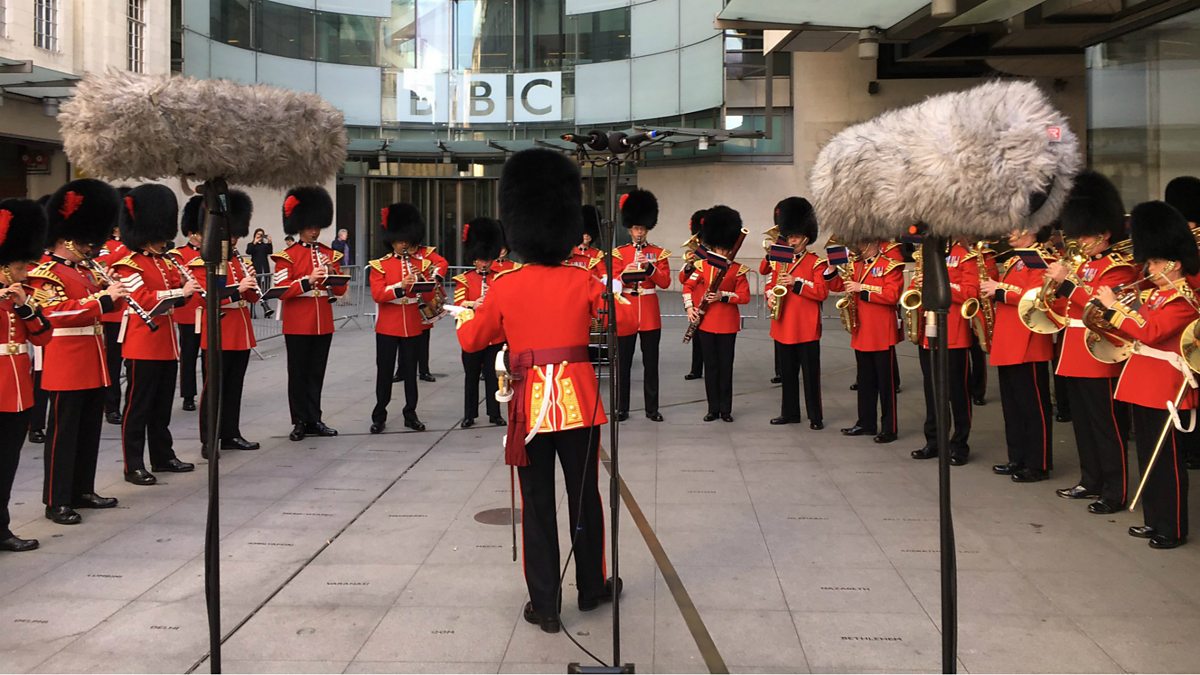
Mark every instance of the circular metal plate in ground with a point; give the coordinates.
(496, 516)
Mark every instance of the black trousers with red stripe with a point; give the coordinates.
(960, 401)
(474, 363)
(1165, 499)
(792, 361)
(1101, 426)
(718, 350)
(1025, 398)
(650, 340)
(307, 357)
(72, 445)
(876, 383)
(149, 392)
(978, 370)
(12, 435)
(189, 352)
(391, 350)
(697, 359)
(112, 358)
(37, 414)
(233, 380)
(578, 452)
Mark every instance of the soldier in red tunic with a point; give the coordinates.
(22, 233)
(1095, 216)
(876, 280)
(962, 265)
(721, 320)
(689, 265)
(1156, 378)
(1183, 192)
(149, 217)
(544, 311)
(400, 328)
(797, 332)
(187, 314)
(481, 246)
(977, 365)
(112, 251)
(1022, 359)
(307, 306)
(76, 373)
(440, 267)
(643, 268)
(237, 332)
(586, 255)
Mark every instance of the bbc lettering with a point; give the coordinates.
(465, 97)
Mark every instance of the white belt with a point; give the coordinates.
(404, 301)
(1172, 358)
(639, 291)
(317, 293)
(94, 329)
(1076, 323)
(235, 305)
(13, 348)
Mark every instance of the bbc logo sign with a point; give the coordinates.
(465, 97)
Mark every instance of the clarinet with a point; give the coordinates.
(184, 272)
(248, 264)
(101, 273)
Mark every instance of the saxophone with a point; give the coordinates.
(910, 302)
(778, 291)
(983, 322)
(847, 305)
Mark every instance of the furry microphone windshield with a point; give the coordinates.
(128, 126)
(972, 164)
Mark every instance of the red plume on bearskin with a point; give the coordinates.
(83, 211)
(404, 223)
(150, 216)
(639, 207)
(307, 207)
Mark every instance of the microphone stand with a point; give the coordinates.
(215, 252)
(936, 300)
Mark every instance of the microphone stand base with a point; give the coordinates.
(600, 670)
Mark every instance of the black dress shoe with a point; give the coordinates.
(708, 417)
(378, 427)
(898, 389)
(622, 415)
(957, 460)
(885, 437)
(1028, 475)
(692, 376)
(548, 624)
(1164, 541)
(1006, 469)
(777, 380)
(17, 544)
(497, 420)
(785, 420)
(37, 436)
(1077, 492)
(91, 500)
(297, 433)
(174, 465)
(426, 377)
(816, 426)
(239, 443)
(726, 417)
(924, 453)
(204, 452)
(858, 430)
(1104, 508)
(413, 423)
(140, 477)
(319, 429)
(113, 417)
(979, 400)
(654, 416)
(1142, 531)
(189, 404)
(468, 422)
(63, 515)
(1059, 417)
(588, 604)
(854, 387)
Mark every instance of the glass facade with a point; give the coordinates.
(1144, 124)
(296, 32)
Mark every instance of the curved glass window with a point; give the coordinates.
(296, 32)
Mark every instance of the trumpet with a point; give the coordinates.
(106, 278)
(910, 302)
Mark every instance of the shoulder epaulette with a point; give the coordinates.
(1117, 259)
(699, 265)
(175, 252)
(128, 261)
(1145, 295)
(282, 255)
(743, 270)
(377, 264)
(426, 250)
(460, 278)
(199, 262)
(337, 255)
(664, 254)
(616, 253)
(46, 271)
(516, 266)
(893, 264)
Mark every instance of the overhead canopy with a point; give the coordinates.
(819, 13)
(21, 78)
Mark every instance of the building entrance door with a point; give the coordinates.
(446, 204)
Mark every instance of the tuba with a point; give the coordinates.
(910, 302)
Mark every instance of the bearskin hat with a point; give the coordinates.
(697, 218)
(639, 207)
(241, 210)
(1043, 235)
(1093, 207)
(591, 223)
(795, 216)
(22, 230)
(1183, 192)
(481, 240)
(540, 194)
(402, 222)
(191, 219)
(306, 207)
(83, 210)
(721, 227)
(1160, 231)
(149, 214)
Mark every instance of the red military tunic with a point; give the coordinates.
(1149, 379)
(72, 301)
(189, 312)
(881, 277)
(643, 295)
(962, 266)
(589, 258)
(112, 251)
(150, 279)
(237, 330)
(1012, 342)
(721, 317)
(800, 318)
(307, 310)
(471, 287)
(16, 372)
(1103, 270)
(399, 313)
(504, 265)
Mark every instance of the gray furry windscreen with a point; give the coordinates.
(125, 126)
(971, 164)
